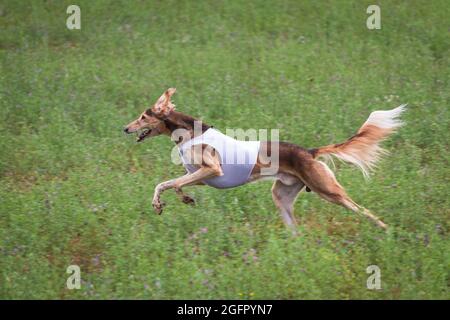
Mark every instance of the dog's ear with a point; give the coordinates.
(164, 106)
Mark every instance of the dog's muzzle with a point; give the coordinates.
(144, 134)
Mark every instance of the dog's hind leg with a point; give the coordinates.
(284, 196)
(178, 183)
(320, 179)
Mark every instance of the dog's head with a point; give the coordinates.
(151, 122)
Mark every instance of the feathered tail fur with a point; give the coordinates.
(363, 148)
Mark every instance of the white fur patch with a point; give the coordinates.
(388, 119)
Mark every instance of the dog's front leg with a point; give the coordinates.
(184, 197)
(178, 183)
(156, 203)
(160, 188)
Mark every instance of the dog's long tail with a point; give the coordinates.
(363, 148)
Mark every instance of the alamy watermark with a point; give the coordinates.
(73, 22)
(74, 280)
(373, 22)
(231, 152)
(374, 280)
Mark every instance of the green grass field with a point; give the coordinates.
(75, 190)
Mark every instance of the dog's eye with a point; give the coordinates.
(142, 118)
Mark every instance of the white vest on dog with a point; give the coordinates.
(237, 158)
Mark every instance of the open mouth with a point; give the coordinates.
(144, 134)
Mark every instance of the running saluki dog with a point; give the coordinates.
(298, 168)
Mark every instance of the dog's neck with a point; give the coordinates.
(177, 120)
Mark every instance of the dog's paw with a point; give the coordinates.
(158, 206)
(188, 200)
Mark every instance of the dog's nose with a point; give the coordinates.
(125, 130)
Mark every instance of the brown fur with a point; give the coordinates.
(298, 167)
